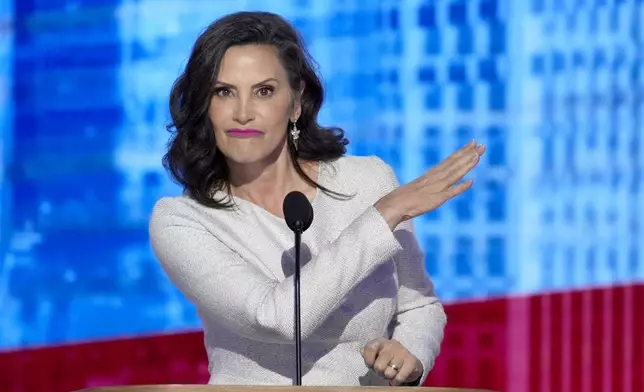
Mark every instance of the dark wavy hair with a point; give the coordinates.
(193, 159)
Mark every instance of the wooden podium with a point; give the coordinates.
(255, 388)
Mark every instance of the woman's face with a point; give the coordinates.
(252, 105)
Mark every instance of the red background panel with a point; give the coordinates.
(587, 341)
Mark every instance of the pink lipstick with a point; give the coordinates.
(244, 133)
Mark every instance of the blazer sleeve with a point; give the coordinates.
(420, 319)
(226, 288)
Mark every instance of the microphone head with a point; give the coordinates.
(298, 212)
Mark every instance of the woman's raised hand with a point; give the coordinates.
(432, 189)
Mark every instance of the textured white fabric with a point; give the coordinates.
(359, 281)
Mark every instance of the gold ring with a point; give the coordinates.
(396, 368)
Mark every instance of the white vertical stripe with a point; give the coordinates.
(519, 340)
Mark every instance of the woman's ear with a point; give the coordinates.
(297, 104)
(297, 112)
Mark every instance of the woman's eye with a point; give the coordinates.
(265, 92)
(222, 92)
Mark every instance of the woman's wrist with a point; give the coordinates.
(387, 209)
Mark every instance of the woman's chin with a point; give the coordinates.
(250, 156)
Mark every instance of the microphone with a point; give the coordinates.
(298, 214)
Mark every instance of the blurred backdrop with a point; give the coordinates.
(541, 264)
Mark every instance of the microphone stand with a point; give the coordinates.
(298, 331)
(298, 214)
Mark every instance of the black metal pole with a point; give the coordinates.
(298, 332)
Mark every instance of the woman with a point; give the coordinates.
(246, 134)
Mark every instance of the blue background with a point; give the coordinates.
(555, 89)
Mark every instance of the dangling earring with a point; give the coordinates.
(295, 134)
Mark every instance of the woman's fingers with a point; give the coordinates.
(403, 375)
(455, 156)
(436, 186)
(383, 360)
(390, 371)
(459, 171)
(457, 189)
(442, 197)
(465, 158)
(371, 350)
